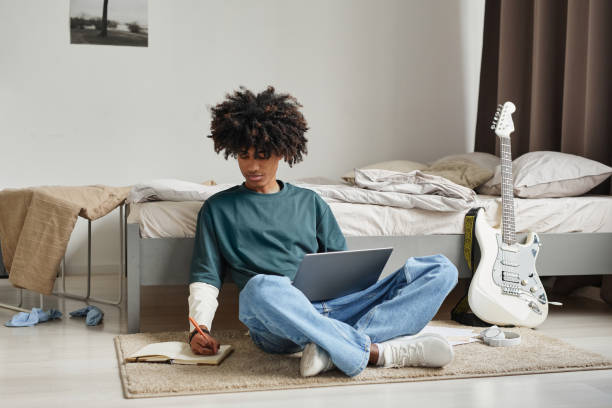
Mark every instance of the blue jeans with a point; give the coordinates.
(282, 320)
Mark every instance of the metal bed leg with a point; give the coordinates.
(133, 278)
(121, 262)
(5, 275)
(88, 296)
(17, 308)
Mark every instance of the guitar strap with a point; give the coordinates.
(461, 313)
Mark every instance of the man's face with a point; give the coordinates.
(259, 172)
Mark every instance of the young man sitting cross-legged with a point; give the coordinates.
(259, 232)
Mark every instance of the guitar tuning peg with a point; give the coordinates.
(500, 106)
(492, 127)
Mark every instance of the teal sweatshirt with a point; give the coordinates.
(245, 233)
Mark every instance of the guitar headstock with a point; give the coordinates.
(502, 122)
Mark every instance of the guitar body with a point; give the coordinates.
(505, 289)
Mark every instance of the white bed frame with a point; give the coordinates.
(165, 261)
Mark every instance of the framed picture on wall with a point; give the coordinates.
(109, 22)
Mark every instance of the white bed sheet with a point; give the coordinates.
(163, 219)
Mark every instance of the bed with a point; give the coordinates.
(576, 233)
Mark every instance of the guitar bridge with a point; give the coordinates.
(511, 290)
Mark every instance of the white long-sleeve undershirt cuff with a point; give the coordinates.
(202, 303)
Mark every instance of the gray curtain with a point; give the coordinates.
(553, 59)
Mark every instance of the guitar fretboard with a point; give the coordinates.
(508, 234)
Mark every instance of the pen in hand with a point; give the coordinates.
(211, 346)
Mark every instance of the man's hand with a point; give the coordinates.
(206, 345)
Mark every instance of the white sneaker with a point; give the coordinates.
(314, 360)
(426, 350)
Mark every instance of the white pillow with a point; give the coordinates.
(174, 190)
(550, 174)
(403, 166)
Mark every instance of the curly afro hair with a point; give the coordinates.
(271, 123)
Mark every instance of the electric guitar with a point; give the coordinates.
(505, 288)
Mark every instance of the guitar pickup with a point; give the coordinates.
(509, 248)
(510, 277)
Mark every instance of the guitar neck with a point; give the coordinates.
(508, 227)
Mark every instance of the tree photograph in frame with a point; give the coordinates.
(109, 22)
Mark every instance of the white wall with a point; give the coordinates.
(379, 80)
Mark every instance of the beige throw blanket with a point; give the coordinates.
(36, 224)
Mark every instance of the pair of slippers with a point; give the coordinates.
(93, 316)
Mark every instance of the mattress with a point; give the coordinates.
(169, 219)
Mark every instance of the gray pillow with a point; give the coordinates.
(485, 160)
(460, 171)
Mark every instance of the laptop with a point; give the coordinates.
(330, 275)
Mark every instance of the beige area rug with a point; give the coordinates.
(249, 369)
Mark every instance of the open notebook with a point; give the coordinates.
(177, 352)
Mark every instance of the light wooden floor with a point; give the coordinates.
(65, 363)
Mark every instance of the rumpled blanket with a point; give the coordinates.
(396, 189)
(36, 223)
(373, 186)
